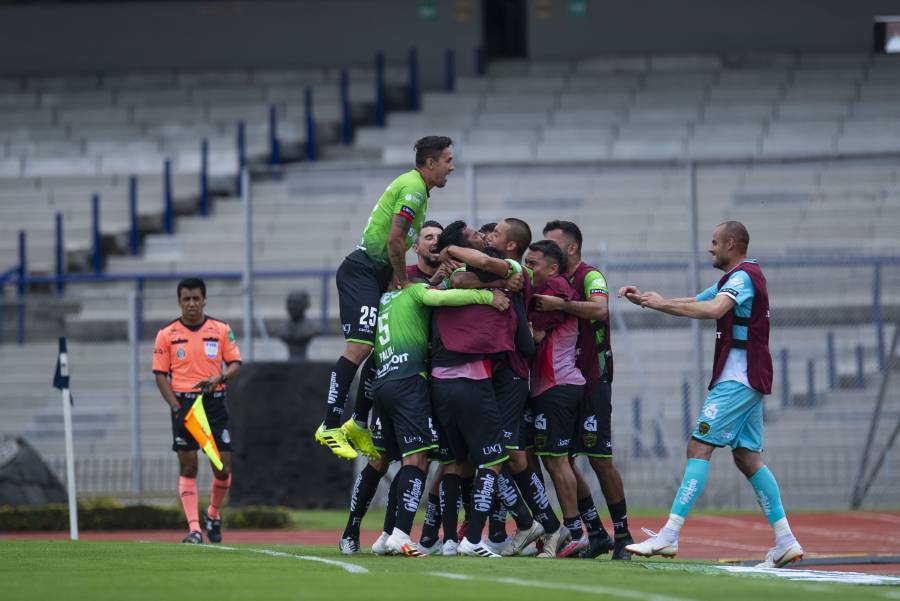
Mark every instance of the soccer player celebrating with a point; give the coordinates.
(187, 358)
(365, 274)
(591, 307)
(557, 388)
(732, 414)
(401, 392)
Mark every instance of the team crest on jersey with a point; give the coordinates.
(211, 347)
(180, 353)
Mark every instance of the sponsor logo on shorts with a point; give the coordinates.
(491, 449)
(540, 441)
(413, 440)
(590, 424)
(590, 440)
(226, 436)
(540, 422)
(710, 411)
(180, 441)
(564, 442)
(703, 428)
(346, 327)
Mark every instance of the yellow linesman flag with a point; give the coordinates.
(197, 424)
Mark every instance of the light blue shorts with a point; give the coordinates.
(732, 415)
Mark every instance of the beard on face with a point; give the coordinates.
(433, 263)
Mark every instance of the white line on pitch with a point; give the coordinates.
(348, 567)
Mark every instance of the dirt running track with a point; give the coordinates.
(703, 537)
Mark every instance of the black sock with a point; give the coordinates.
(390, 512)
(535, 496)
(497, 520)
(363, 490)
(341, 378)
(465, 495)
(411, 483)
(364, 396)
(591, 518)
(432, 521)
(449, 497)
(574, 525)
(619, 514)
(513, 502)
(482, 499)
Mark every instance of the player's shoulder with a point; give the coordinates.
(214, 323)
(410, 182)
(170, 327)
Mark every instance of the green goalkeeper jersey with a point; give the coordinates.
(401, 343)
(407, 197)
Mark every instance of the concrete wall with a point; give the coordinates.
(640, 26)
(150, 35)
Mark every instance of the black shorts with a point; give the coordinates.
(403, 417)
(555, 412)
(594, 434)
(526, 429)
(511, 393)
(216, 413)
(469, 418)
(360, 285)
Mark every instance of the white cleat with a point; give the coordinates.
(349, 546)
(655, 545)
(399, 543)
(504, 549)
(523, 538)
(379, 548)
(780, 556)
(448, 549)
(474, 550)
(555, 542)
(434, 549)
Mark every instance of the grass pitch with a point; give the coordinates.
(100, 571)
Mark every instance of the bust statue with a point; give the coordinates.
(298, 331)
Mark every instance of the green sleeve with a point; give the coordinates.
(456, 297)
(409, 201)
(595, 285)
(514, 267)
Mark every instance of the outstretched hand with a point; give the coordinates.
(651, 300)
(632, 293)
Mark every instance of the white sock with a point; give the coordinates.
(672, 528)
(783, 534)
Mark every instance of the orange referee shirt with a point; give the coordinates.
(191, 354)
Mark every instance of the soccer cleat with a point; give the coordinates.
(503, 549)
(378, 547)
(474, 550)
(361, 438)
(554, 542)
(597, 546)
(780, 556)
(449, 548)
(349, 546)
(399, 543)
(213, 528)
(193, 538)
(574, 548)
(655, 545)
(530, 551)
(336, 440)
(434, 549)
(523, 538)
(619, 550)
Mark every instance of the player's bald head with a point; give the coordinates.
(735, 230)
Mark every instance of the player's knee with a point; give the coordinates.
(188, 471)
(602, 465)
(380, 464)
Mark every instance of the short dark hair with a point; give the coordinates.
(550, 251)
(566, 227)
(520, 233)
(453, 235)
(192, 284)
(487, 228)
(430, 147)
(736, 230)
(431, 223)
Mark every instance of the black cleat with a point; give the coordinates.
(193, 538)
(619, 552)
(598, 545)
(213, 528)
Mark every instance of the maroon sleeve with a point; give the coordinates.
(545, 320)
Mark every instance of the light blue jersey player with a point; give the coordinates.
(742, 374)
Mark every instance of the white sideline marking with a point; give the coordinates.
(561, 586)
(348, 567)
(891, 594)
(815, 575)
